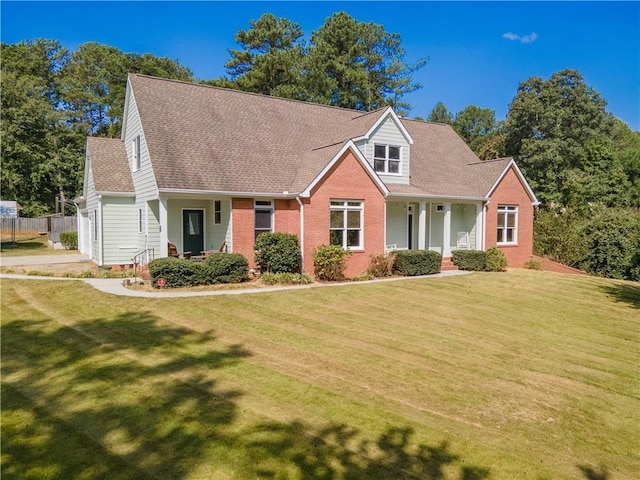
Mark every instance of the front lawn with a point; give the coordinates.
(30, 246)
(512, 375)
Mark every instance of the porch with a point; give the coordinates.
(441, 226)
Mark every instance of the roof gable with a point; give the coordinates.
(513, 165)
(388, 113)
(349, 146)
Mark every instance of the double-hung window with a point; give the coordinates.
(140, 220)
(386, 159)
(136, 153)
(217, 212)
(263, 217)
(507, 224)
(346, 224)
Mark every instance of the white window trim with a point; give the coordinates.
(504, 210)
(386, 159)
(136, 153)
(345, 207)
(263, 206)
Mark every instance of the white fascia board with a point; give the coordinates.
(104, 193)
(87, 161)
(350, 145)
(125, 108)
(221, 193)
(388, 112)
(512, 163)
(426, 196)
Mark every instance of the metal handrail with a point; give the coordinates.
(138, 258)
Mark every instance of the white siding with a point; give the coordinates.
(397, 227)
(153, 227)
(92, 206)
(144, 181)
(120, 216)
(388, 133)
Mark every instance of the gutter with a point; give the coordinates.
(437, 197)
(301, 232)
(224, 193)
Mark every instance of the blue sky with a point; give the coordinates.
(478, 51)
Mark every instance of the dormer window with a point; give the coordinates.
(386, 159)
(136, 153)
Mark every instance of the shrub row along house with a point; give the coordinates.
(200, 167)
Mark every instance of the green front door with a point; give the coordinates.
(193, 231)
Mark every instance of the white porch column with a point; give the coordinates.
(422, 226)
(446, 231)
(479, 226)
(164, 227)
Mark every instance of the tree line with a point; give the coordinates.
(581, 161)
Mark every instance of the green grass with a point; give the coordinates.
(514, 375)
(30, 246)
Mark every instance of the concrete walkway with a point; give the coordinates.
(114, 286)
(43, 259)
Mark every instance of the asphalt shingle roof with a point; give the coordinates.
(109, 165)
(214, 139)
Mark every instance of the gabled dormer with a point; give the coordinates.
(387, 148)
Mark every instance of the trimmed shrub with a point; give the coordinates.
(330, 262)
(286, 279)
(69, 240)
(278, 252)
(175, 272)
(417, 262)
(226, 268)
(534, 264)
(381, 265)
(474, 260)
(217, 268)
(496, 260)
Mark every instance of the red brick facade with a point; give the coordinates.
(347, 180)
(511, 191)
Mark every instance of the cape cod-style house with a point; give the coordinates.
(200, 167)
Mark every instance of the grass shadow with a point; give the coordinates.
(591, 473)
(125, 397)
(624, 292)
(339, 451)
(133, 397)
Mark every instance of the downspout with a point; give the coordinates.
(484, 226)
(301, 233)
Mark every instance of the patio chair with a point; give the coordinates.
(463, 241)
(173, 252)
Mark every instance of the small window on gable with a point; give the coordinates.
(136, 153)
(386, 159)
(217, 212)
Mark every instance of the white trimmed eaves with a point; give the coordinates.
(181, 192)
(387, 113)
(350, 145)
(428, 196)
(125, 108)
(512, 163)
(104, 193)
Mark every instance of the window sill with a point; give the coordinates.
(506, 244)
